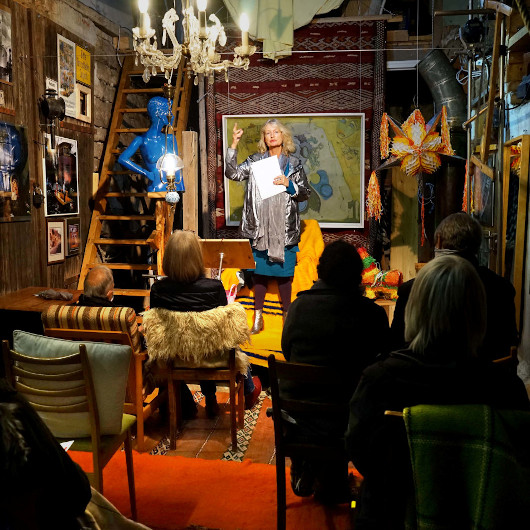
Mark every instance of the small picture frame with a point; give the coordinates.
(73, 236)
(55, 241)
(83, 105)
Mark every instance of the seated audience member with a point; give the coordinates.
(461, 234)
(41, 488)
(98, 290)
(186, 288)
(331, 325)
(445, 322)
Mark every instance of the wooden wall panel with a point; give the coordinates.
(23, 258)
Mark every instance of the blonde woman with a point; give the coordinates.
(186, 288)
(273, 224)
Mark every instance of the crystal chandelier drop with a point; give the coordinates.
(199, 44)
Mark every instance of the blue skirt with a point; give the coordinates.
(272, 268)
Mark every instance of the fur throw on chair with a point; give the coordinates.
(197, 339)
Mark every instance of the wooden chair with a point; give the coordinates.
(64, 385)
(113, 325)
(283, 407)
(176, 376)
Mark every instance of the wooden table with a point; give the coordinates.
(22, 309)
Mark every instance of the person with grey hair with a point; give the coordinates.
(460, 234)
(445, 322)
(98, 289)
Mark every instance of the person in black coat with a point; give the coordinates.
(331, 325)
(445, 322)
(187, 289)
(461, 234)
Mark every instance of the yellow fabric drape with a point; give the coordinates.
(273, 21)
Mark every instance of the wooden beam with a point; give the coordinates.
(191, 178)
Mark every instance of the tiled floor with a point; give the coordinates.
(210, 438)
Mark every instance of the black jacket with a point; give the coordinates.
(334, 327)
(200, 295)
(377, 444)
(501, 329)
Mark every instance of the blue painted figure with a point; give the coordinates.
(152, 145)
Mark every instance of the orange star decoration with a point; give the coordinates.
(373, 200)
(417, 146)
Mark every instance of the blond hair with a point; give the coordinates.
(183, 260)
(446, 310)
(288, 145)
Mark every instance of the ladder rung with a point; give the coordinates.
(125, 194)
(138, 217)
(142, 130)
(127, 266)
(109, 241)
(142, 110)
(143, 90)
(131, 292)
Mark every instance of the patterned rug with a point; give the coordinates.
(244, 435)
(337, 66)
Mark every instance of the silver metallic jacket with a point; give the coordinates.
(249, 220)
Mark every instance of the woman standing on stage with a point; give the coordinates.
(271, 224)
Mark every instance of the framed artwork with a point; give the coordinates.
(15, 195)
(83, 96)
(6, 56)
(331, 149)
(82, 66)
(55, 241)
(66, 73)
(73, 236)
(60, 178)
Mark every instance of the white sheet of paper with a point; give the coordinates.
(67, 445)
(265, 171)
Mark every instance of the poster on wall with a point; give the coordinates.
(60, 178)
(14, 174)
(73, 236)
(331, 149)
(6, 57)
(82, 66)
(66, 73)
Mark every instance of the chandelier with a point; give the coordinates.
(198, 46)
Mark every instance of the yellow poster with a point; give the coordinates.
(82, 71)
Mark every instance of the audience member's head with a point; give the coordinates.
(99, 282)
(183, 260)
(459, 232)
(340, 265)
(446, 311)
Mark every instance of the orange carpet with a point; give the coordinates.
(175, 492)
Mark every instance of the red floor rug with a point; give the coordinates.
(174, 492)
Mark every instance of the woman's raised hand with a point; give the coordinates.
(237, 133)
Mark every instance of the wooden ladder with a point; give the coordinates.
(163, 214)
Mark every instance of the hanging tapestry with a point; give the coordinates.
(336, 67)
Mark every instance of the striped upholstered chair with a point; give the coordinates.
(114, 325)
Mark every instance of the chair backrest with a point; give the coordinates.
(109, 364)
(287, 405)
(55, 386)
(101, 324)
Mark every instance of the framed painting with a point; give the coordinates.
(73, 236)
(66, 73)
(6, 55)
(15, 195)
(331, 150)
(60, 178)
(55, 241)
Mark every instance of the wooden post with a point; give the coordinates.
(190, 220)
(204, 160)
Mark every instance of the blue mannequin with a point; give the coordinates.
(152, 144)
